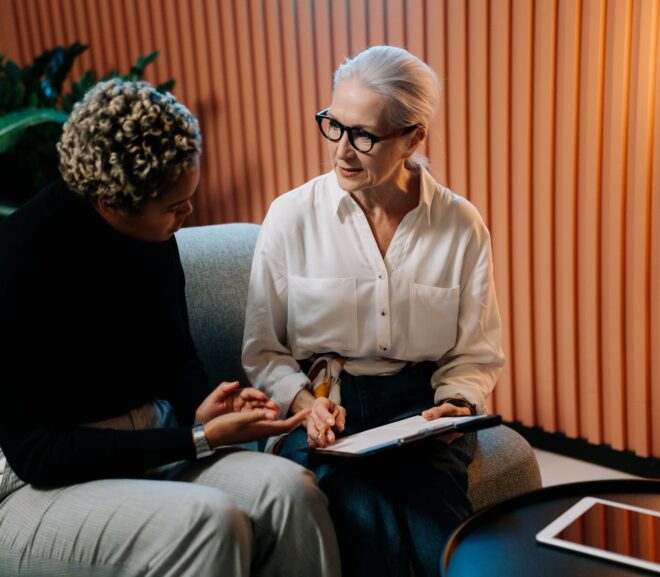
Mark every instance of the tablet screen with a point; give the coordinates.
(608, 529)
(617, 530)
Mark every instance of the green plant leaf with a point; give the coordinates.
(13, 125)
(13, 71)
(165, 86)
(137, 70)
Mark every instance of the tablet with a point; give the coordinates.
(608, 530)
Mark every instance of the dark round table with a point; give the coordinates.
(500, 541)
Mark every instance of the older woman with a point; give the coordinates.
(376, 280)
(101, 383)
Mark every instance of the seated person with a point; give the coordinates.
(376, 281)
(107, 420)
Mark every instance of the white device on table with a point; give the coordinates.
(610, 530)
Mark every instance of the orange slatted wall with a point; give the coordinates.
(549, 123)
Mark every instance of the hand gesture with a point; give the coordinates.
(249, 425)
(324, 417)
(228, 398)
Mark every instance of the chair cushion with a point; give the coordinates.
(504, 465)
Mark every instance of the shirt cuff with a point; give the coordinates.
(286, 389)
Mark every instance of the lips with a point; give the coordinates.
(349, 172)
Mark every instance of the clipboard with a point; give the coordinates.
(404, 432)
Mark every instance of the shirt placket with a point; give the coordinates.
(382, 290)
(383, 325)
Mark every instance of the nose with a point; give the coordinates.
(344, 147)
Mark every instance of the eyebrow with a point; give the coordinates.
(357, 126)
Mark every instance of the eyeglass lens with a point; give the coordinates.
(334, 130)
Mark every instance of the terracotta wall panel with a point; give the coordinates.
(549, 122)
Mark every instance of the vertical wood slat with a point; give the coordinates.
(477, 99)
(204, 98)
(637, 226)
(249, 209)
(549, 122)
(654, 287)
(292, 95)
(456, 94)
(16, 13)
(395, 24)
(612, 279)
(357, 17)
(565, 224)
(217, 135)
(498, 148)
(309, 92)
(543, 112)
(10, 27)
(414, 21)
(589, 123)
(523, 365)
(436, 57)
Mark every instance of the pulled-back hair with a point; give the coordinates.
(408, 85)
(125, 141)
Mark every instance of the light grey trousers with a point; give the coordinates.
(237, 513)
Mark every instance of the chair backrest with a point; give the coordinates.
(217, 260)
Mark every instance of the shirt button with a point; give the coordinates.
(380, 276)
(383, 348)
(382, 313)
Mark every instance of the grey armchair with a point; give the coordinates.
(217, 260)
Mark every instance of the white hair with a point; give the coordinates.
(408, 85)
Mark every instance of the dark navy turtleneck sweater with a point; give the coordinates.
(92, 324)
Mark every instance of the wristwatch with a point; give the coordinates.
(461, 403)
(202, 447)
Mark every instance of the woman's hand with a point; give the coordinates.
(249, 425)
(324, 416)
(227, 398)
(446, 410)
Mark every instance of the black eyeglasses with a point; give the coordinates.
(359, 138)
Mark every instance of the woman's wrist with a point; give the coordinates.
(460, 403)
(303, 400)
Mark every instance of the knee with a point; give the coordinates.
(214, 517)
(205, 530)
(291, 485)
(217, 512)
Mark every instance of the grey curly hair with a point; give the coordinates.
(125, 141)
(409, 86)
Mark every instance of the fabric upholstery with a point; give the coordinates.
(504, 465)
(217, 261)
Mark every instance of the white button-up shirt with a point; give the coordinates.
(319, 284)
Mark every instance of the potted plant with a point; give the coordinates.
(34, 104)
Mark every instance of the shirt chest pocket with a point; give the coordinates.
(433, 320)
(323, 314)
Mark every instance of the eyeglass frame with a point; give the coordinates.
(323, 114)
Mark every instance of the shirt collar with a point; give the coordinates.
(427, 188)
(338, 196)
(427, 184)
